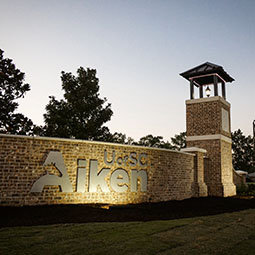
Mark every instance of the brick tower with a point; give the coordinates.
(208, 126)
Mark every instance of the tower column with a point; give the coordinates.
(191, 89)
(201, 91)
(215, 83)
(223, 88)
(208, 127)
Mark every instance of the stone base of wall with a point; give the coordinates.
(221, 190)
(199, 189)
(229, 190)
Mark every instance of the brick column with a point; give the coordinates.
(208, 127)
(199, 188)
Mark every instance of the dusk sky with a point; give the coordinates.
(138, 49)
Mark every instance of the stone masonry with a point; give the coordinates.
(199, 188)
(171, 174)
(208, 127)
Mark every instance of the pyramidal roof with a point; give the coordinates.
(205, 69)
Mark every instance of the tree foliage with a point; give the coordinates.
(243, 152)
(121, 138)
(153, 141)
(12, 87)
(82, 113)
(242, 147)
(177, 142)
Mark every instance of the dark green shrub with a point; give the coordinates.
(246, 190)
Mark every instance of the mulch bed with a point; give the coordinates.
(56, 214)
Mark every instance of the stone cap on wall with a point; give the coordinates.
(209, 137)
(92, 142)
(207, 99)
(193, 149)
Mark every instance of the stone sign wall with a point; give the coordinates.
(36, 171)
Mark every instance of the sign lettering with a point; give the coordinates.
(120, 181)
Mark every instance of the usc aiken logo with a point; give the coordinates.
(120, 181)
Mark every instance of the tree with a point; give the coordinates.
(179, 141)
(243, 152)
(12, 87)
(82, 113)
(150, 141)
(153, 141)
(121, 138)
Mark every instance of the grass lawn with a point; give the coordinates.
(229, 233)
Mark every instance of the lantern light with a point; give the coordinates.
(208, 91)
